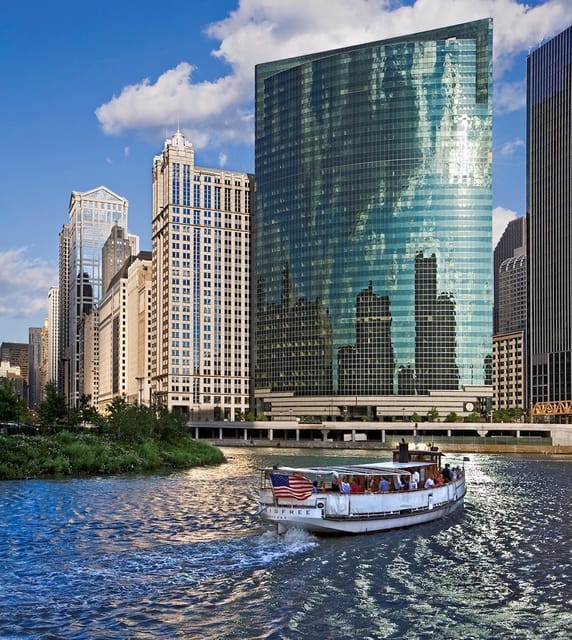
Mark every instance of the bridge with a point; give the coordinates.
(556, 408)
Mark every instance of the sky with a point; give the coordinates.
(92, 90)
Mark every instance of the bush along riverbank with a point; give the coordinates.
(132, 439)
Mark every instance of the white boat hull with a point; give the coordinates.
(363, 513)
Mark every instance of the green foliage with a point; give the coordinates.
(433, 414)
(53, 408)
(75, 454)
(88, 413)
(415, 417)
(453, 417)
(12, 408)
(513, 414)
(473, 417)
(132, 438)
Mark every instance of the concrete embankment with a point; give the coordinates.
(379, 446)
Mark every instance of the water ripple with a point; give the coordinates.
(184, 556)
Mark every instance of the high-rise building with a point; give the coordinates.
(17, 354)
(14, 362)
(92, 215)
(118, 247)
(200, 342)
(509, 342)
(373, 230)
(53, 334)
(512, 294)
(512, 243)
(139, 283)
(509, 379)
(64, 312)
(38, 364)
(549, 205)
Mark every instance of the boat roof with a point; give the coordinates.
(374, 468)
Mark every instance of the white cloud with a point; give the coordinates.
(501, 217)
(24, 284)
(509, 148)
(219, 111)
(509, 96)
(222, 159)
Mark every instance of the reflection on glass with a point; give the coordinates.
(373, 220)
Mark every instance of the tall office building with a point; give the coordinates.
(17, 354)
(38, 364)
(200, 338)
(139, 287)
(53, 334)
(511, 243)
(509, 321)
(549, 204)
(118, 247)
(92, 215)
(512, 293)
(373, 225)
(64, 311)
(14, 362)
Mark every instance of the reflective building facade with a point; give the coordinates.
(549, 203)
(373, 231)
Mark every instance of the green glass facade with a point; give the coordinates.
(373, 225)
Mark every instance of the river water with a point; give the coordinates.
(184, 556)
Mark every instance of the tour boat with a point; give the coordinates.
(318, 499)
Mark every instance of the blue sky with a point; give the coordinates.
(91, 91)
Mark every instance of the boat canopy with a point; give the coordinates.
(373, 469)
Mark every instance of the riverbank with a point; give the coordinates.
(92, 454)
(387, 447)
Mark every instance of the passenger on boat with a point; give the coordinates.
(373, 485)
(447, 473)
(315, 486)
(335, 484)
(412, 483)
(322, 486)
(355, 486)
(415, 476)
(398, 483)
(440, 480)
(429, 483)
(345, 486)
(384, 485)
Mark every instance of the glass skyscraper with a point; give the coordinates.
(549, 202)
(373, 226)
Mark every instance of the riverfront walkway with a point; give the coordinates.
(453, 437)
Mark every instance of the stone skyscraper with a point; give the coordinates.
(200, 331)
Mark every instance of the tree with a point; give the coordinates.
(87, 412)
(433, 414)
(54, 407)
(453, 417)
(12, 407)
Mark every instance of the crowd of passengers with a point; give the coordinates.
(383, 484)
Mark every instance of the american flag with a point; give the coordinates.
(285, 486)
